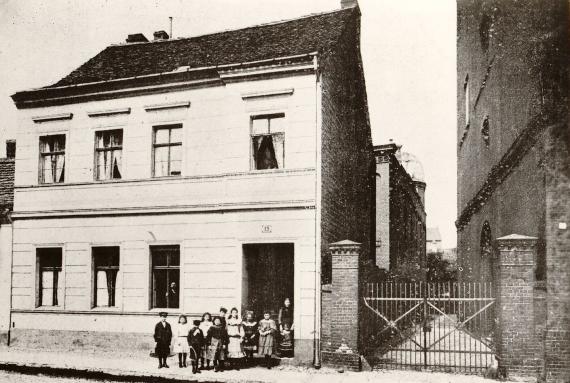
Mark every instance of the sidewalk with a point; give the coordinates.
(144, 369)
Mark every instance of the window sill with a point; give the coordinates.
(106, 309)
(169, 311)
(166, 177)
(49, 308)
(254, 171)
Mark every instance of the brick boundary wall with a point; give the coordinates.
(520, 349)
(557, 332)
(340, 308)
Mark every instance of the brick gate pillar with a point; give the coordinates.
(344, 310)
(518, 345)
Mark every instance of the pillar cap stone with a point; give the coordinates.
(345, 247)
(516, 241)
(516, 237)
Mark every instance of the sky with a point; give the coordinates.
(408, 51)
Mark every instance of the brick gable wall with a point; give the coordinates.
(346, 149)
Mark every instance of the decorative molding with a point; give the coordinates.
(52, 117)
(239, 74)
(163, 210)
(270, 93)
(345, 247)
(196, 178)
(516, 242)
(98, 95)
(109, 112)
(172, 105)
(95, 311)
(501, 171)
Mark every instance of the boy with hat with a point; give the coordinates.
(196, 341)
(162, 337)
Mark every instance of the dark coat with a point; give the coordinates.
(162, 337)
(216, 339)
(196, 342)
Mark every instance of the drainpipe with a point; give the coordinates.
(318, 129)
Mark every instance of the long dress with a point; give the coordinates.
(250, 336)
(205, 326)
(286, 317)
(286, 344)
(217, 338)
(235, 335)
(267, 329)
(181, 339)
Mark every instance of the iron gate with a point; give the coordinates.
(438, 326)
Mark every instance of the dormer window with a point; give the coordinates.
(268, 142)
(52, 159)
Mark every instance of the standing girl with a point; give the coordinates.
(205, 326)
(286, 328)
(217, 340)
(267, 330)
(181, 346)
(235, 335)
(250, 337)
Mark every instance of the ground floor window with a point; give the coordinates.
(49, 270)
(165, 265)
(106, 268)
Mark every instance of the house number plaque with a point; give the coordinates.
(266, 228)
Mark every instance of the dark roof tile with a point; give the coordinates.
(315, 33)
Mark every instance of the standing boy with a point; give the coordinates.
(162, 337)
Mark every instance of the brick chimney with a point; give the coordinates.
(136, 38)
(160, 35)
(348, 3)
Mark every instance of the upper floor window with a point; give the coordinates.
(49, 269)
(167, 150)
(106, 268)
(108, 154)
(52, 159)
(165, 261)
(268, 142)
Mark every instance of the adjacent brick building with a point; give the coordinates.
(400, 217)
(513, 153)
(6, 206)
(225, 163)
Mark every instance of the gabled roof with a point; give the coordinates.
(6, 183)
(314, 33)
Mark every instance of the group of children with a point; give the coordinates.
(225, 337)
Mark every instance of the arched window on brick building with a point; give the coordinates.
(486, 249)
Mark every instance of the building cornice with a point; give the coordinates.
(164, 82)
(171, 180)
(166, 209)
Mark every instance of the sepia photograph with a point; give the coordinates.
(328, 191)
